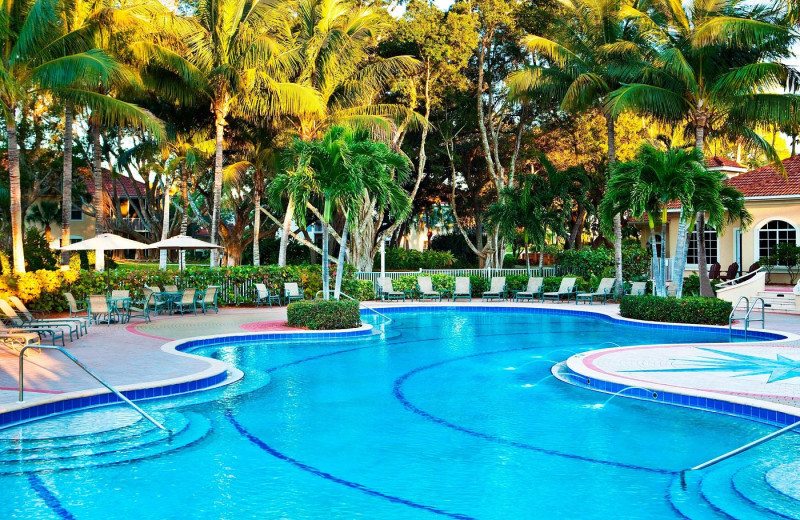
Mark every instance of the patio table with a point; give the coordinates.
(120, 307)
(168, 297)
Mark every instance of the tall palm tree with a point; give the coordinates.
(583, 67)
(340, 169)
(239, 61)
(35, 58)
(714, 67)
(44, 213)
(646, 186)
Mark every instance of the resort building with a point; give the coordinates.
(774, 202)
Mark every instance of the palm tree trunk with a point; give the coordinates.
(702, 267)
(257, 228)
(15, 193)
(162, 260)
(325, 271)
(287, 224)
(220, 112)
(66, 185)
(527, 255)
(341, 265)
(185, 217)
(611, 135)
(97, 172)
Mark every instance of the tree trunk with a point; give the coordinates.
(162, 261)
(341, 265)
(220, 112)
(287, 224)
(611, 135)
(185, 216)
(527, 256)
(325, 271)
(15, 194)
(257, 228)
(66, 186)
(97, 172)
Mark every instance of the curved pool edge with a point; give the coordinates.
(217, 374)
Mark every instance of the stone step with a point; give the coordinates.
(752, 484)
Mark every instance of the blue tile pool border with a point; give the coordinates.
(744, 411)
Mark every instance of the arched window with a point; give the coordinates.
(692, 254)
(773, 233)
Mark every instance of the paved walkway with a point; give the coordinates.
(132, 355)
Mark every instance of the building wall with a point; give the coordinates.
(763, 211)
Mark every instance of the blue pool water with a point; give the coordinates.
(446, 415)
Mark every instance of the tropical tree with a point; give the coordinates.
(340, 170)
(645, 187)
(39, 57)
(713, 67)
(44, 214)
(583, 66)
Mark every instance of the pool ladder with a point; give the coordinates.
(746, 317)
(85, 369)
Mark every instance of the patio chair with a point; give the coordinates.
(187, 301)
(171, 288)
(462, 288)
(17, 325)
(638, 289)
(714, 271)
(387, 291)
(148, 306)
(158, 305)
(426, 290)
(120, 293)
(17, 340)
(292, 291)
(731, 273)
(565, 290)
(76, 325)
(263, 295)
(604, 290)
(74, 310)
(497, 289)
(209, 299)
(533, 290)
(99, 309)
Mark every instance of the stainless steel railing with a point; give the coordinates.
(85, 369)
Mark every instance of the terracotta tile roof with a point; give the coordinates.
(125, 185)
(767, 182)
(720, 162)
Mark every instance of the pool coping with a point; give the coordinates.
(220, 373)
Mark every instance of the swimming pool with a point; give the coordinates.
(448, 414)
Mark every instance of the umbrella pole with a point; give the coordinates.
(180, 263)
(108, 273)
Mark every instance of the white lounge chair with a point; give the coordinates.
(387, 290)
(533, 290)
(425, 287)
(565, 290)
(604, 291)
(497, 289)
(462, 289)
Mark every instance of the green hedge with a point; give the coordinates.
(324, 314)
(401, 259)
(600, 262)
(694, 309)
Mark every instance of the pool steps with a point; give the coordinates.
(753, 477)
(131, 442)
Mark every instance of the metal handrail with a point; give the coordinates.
(85, 369)
(741, 278)
(341, 293)
(748, 319)
(741, 449)
(733, 313)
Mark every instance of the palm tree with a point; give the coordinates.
(239, 62)
(35, 58)
(340, 169)
(714, 67)
(334, 43)
(585, 58)
(646, 186)
(44, 214)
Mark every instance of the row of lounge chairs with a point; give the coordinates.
(497, 290)
(22, 327)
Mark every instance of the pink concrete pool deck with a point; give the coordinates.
(131, 356)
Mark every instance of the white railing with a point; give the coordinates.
(740, 279)
(486, 273)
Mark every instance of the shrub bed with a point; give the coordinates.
(324, 314)
(694, 309)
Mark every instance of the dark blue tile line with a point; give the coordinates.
(246, 338)
(318, 472)
(755, 413)
(400, 396)
(49, 498)
(755, 334)
(92, 401)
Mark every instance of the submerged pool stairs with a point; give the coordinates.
(43, 446)
(735, 490)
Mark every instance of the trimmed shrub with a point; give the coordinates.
(600, 262)
(324, 314)
(694, 309)
(400, 259)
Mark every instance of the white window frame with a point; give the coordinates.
(757, 234)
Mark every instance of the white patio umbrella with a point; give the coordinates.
(183, 243)
(105, 242)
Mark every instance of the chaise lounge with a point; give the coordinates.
(565, 291)
(533, 290)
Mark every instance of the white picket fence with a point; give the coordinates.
(486, 273)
